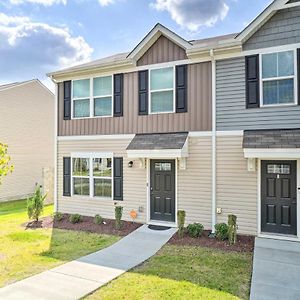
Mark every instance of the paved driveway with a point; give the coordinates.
(78, 278)
(276, 270)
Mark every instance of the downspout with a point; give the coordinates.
(213, 142)
(55, 145)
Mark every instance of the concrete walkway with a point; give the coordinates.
(276, 270)
(78, 278)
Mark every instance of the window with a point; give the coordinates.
(102, 93)
(278, 78)
(92, 175)
(279, 169)
(81, 98)
(92, 97)
(162, 94)
(163, 167)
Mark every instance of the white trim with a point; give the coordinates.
(272, 235)
(272, 153)
(262, 80)
(161, 90)
(194, 134)
(155, 222)
(290, 5)
(55, 148)
(230, 133)
(96, 137)
(152, 37)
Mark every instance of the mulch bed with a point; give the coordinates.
(86, 224)
(244, 243)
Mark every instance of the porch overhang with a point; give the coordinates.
(165, 145)
(268, 144)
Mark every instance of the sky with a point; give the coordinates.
(40, 36)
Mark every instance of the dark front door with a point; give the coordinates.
(279, 197)
(162, 190)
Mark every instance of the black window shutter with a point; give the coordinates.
(298, 74)
(67, 176)
(118, 178)
(181, 89)
(67, 100)
(143, 92)
(252, 81)
(118, 95)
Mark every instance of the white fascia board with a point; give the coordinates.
(276, 153)
(152, 36)
(165, 153)
(95, 137)
(260, 20)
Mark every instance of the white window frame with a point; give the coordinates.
(91, 176)
(92, 97)
(262, 80)
(162, 90)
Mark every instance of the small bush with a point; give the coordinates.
(195, 230)
(35, 204)
(58, 216)
(98, 220)
(75, 218)
(118, 216)
(181, 221)
(232, 229)
(221, 231)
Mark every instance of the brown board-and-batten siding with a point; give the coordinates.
(198, 117)
(163, 50)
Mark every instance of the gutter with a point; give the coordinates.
(214, 146)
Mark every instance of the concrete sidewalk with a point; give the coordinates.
(276, 270)
(78, 278)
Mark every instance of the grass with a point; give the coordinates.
(27, 252)
(184, 272)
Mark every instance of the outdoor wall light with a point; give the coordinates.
(130, 164)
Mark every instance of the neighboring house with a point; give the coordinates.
(208, 126)
(27, 127)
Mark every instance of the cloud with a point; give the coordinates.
(106, 2)
(29, 49)
(41, 2)
(194, 14)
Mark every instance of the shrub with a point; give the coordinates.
(195, 230)
(232, 229)
(118, 216)
(35, 204)
(181, 221)
(58, 216)
(76, 218)
(98, 220)
(221, 231)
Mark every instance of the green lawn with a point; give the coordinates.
(27, 252)
(178, 272)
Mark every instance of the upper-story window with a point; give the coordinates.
(162, 95)
(278, 78)
(92, 97)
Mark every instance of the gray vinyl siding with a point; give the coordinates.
(282, 29)
(231, 103)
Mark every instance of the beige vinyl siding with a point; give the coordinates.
(134, 183)
(198, 117)
(194, 183)
(27, 126)
(236, 186)
(163, 50)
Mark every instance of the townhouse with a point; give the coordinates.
(208, 126)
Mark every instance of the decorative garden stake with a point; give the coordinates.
(133, 215)
(118, 216)
(232, 229)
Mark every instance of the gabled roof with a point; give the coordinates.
(261, 19)
(152, 37)
(8, 86)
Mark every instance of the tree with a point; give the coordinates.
(35, 204)
(5, 166)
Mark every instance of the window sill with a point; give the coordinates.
(96, 117)
(278, 105)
